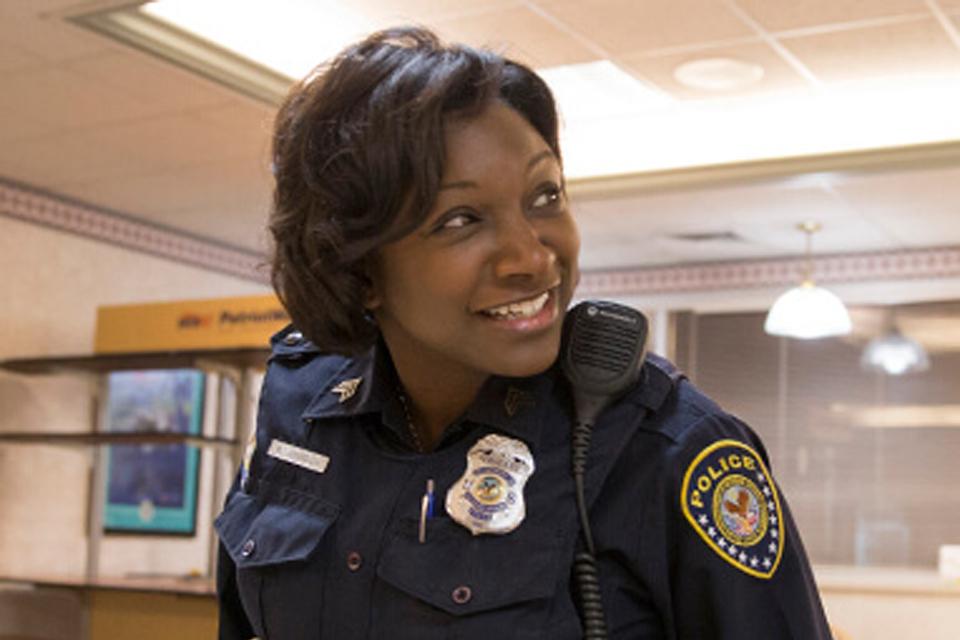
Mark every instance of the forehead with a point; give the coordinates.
(495, 138)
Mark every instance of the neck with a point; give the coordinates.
(434, 402)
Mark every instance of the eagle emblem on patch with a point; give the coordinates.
(729, 498)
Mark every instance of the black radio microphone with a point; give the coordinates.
(601, 354)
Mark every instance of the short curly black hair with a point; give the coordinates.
(358, 154)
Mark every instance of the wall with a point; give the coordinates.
(53, 283)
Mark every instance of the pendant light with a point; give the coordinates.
(808, 311)
(894, 353)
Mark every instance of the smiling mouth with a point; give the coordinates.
(521, 309)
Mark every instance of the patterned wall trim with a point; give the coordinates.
(929, 263)
(30, 205)
(24, 203)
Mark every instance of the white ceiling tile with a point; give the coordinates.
(49, 36)
(626, 26)
(240, 115)
(508, 31)
(24, 128)
(174, 141)
(67, 100)
(907, 48)
(13, 58)
(659, 69)
(951, 6)
(778, 15)
(163, 86)
(221, 200)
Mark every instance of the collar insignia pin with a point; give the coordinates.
(488, 497)
(516, 400)
(347, 388)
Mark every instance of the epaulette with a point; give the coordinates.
(289, 343)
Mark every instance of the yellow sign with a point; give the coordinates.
(190, 324)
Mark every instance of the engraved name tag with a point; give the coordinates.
(305, 458)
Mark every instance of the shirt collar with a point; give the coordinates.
(510, 405)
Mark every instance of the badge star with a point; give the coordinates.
(703, 519)
(711, 532)
(754, 562)
(766, 491)
(773, 547)
(774, 533)
(767, 563)
(743, 557)
(346, 389)
(732, 550)
(760, 477)
(771, 506)
(773, 519)
(723, 543)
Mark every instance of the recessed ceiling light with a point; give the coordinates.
(718, 74)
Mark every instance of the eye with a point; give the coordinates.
(548, 196)
(456, 220)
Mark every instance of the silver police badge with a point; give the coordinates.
(488, 497)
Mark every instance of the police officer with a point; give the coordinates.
(410, 475)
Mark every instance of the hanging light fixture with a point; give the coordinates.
(894, 353)
(808, 311)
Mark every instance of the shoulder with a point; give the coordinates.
(686, 415)
(296, 367)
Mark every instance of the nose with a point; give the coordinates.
(522, 252)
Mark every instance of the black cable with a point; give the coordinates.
(585, 572)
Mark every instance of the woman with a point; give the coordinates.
(411, 476)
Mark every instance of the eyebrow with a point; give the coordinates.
(468, 184)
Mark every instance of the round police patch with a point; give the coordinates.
(730, 499)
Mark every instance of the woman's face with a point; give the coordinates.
(481, 286)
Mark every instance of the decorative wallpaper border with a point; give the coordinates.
(30, 205)
(926, 263)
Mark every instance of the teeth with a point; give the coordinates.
(524, 309)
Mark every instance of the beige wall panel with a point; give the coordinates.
(52, 285)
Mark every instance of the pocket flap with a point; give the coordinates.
(463, 574)
(258, 533)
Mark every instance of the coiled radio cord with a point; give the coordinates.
(585, 571)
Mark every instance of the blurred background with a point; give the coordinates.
(697, 136)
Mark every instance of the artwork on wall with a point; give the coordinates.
(152, 488)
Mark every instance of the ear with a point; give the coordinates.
(371, 290)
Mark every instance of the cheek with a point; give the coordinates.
(426, 278)
(566, 238)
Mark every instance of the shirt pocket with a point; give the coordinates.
(457, 585)
(273, 543)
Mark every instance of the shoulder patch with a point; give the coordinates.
(729, 497)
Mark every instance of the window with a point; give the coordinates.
(869, 462)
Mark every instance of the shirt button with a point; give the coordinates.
(354, 561)
(293, 338)
(248, 548)
(462, 594)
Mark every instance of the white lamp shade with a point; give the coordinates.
(808, 312)
(895, 354)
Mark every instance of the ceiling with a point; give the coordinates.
(90, 119)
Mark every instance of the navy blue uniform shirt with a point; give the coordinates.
(319, 538)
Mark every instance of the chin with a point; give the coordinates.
(532, 362)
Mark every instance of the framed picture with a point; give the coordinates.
(152, 488)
